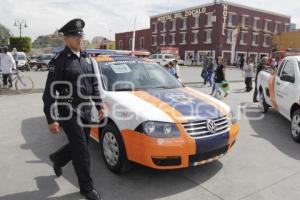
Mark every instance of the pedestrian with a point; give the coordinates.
(242, 62)
(209, 72)
(262, 65)
(15, 56)
(248, 69)
(220, 78)
(68, 66)
(171, 69)
(7, 66)
(175, 64)
(205, 68)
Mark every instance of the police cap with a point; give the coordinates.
(73, 27)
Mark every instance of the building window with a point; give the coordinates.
(163, 39)
(208, 36)
(243, 37)
(209, 20)
(254, 39)
(154, 27)
(184, 20)
(154, 40)
(266, 40)
(196, 20)
(230, 16)
(183, 36)
(164, 26)
(121, 44)
(286, 27)
(173, 25)
(142, 43)
(255, 23)
(244, 21)
(266, 27)
(195, 37)
(130, 44)
(229, 36)
(173, 35)
(277, 27)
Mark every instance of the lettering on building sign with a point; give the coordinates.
(225, 14)
(187, 13)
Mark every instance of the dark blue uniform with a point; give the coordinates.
(67, 66)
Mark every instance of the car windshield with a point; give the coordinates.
(21, 57)
(133, 75)
(169, 56)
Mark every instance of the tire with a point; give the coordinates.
(25, 85)
(264, 107)
(113, 150)
(295, 126)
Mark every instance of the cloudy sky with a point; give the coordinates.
(105, 17)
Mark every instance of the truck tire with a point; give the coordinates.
(264, 107)
(113, 150)
(295, 126)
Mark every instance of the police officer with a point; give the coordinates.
(72, 94)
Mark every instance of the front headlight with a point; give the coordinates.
(232, 117)
(160, 129)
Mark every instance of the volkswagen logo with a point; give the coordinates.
(211, 126)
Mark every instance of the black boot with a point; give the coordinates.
(91, 194)
(57, 169)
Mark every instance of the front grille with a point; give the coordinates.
(207, 155)
(198, 129)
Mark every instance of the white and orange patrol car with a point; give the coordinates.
(280, 89)
(152, 119)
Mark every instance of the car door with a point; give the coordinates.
(285, 87)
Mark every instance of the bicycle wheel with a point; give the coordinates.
(24, 84)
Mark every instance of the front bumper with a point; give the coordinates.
(178, 152)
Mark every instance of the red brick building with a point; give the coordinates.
(143, 40)
(208, 28)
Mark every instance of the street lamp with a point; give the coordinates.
(20, 23)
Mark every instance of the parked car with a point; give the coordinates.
(41, 62)
(154, 120)
(22, 62)
(162, 59)
(281, 90)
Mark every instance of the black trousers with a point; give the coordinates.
(248, 82)
(255, 91)
(7, 78)
(76, 150)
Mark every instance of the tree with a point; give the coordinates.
(20, 43)
(53, 40)
(4, 35)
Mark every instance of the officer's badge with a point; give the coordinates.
(78, 24)
(88, 61)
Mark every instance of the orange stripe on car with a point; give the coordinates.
(271, 84)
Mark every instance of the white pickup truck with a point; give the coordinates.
(280, 90)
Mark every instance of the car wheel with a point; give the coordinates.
(295, 125)
(113, 149)
(263, 106)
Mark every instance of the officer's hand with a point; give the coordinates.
(54, 127)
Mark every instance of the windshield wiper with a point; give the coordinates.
(162, 87)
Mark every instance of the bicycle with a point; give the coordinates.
(22, 83)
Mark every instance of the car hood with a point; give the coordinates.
(171, 105)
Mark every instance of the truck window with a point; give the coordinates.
(288, 69)
(280, 67)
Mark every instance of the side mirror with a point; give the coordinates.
(287, 78)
